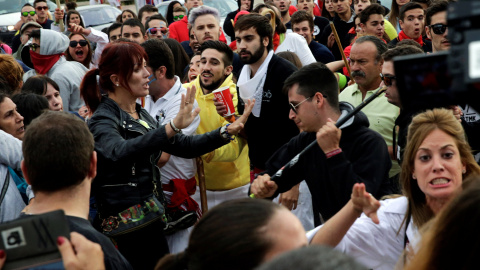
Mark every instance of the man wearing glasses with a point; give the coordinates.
(27, 14)
(156, 27)
(352, 154)
(436, 26)
(41, 8)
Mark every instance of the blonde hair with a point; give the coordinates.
(422, 125)
(11, 70)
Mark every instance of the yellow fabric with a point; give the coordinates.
(227, 167)
(390, 30)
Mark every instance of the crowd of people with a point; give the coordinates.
(152, 134)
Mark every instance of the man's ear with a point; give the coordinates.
(265, 41)
(25, 172)
(160, 72)
(92, 171)
(401, 24)
(428, 32)
(228, 70)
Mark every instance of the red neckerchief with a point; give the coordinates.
(276, 41)
(402, 36)
(43, 63)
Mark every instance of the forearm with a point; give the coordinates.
(333, 231)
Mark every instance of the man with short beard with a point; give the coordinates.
(227, 169)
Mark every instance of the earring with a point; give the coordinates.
(464, 171)
(117, 84)
(414, 177)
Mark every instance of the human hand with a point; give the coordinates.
(457, 112)
(328, 137)
(75, 28)
(235, 127)
(289, 199)
(331, 40)
(365, 202)
(263, 187)
(84, 111)
(220, 106)
(80, 253)
(58, 15)
(185, 115)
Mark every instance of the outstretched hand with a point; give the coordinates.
(185, 115)
(365, 202)
(237, 126)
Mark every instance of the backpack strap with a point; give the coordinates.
(5, 187)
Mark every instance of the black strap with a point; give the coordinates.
(5, 187)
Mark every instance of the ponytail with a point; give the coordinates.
(173, 262)
(90, 91)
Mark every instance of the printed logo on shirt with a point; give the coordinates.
(160, 116)
(267, 95)
(316, 30)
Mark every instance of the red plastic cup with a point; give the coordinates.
(223, 95)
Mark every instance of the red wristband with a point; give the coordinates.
(334, 152)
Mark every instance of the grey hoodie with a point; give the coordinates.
(67, 74)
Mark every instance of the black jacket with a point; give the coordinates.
(342, 28)
(364, 159)
(128, 152)
(273, 128)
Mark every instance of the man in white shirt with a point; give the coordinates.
(178, 174)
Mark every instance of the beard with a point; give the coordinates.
(253, 58)
(212, 86)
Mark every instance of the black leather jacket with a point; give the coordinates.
(128, 152)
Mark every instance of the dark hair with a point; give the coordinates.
(26, 5)
(88, 58)
(127, 10)
(35, 34)
(438, 7)
(426, 2)
(4, 86)
(259, 23)
(232, 235)
(57, 150)
(30, 106)
(179, 55)
(325, 12)
(371, 10)
(307, 79)
(400, 51)
(71, 5)
(154, 17)
(133, 23)
(239, 3)
(409, 6)
(300, 16)
(38, 1)
(117, 58)
(314, 257)
(70, 12)
(220, 47)
(112, 27)
(38, 85)
(170, 11)
(408, 42)
(280, 27)
(291, 57)
(159, 54)
(379, 44)
(146, 8)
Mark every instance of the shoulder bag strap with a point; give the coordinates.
(5, 187)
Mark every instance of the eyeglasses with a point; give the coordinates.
(438, 28)
(26, 13)
(387, 79)
(179, 17)
(74, 43)
(34, 46)
(294, 107)
(40, 8)
(154, 30)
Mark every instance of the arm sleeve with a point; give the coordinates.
(297, 44)
(227, 24)
(11, 154)
(101, 39)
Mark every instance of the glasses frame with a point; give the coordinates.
(438, 28)
(387, 79)
(34, 46)
(40, 8)
(26, 13)
(178, 18)
(294, 107)
(78, 42)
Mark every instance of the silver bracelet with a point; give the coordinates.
(175, 129)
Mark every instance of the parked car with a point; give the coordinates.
(98, 16)
(10, 15)
(223, 6)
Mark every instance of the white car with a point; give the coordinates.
(10, 15)
(98, 16)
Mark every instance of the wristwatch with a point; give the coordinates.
(225, 134)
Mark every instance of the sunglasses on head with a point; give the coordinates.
(34, 46)
(179, 17)
(154, 30)
(26, 13)
(40, 8)
(438, 28)
(74, 43)
(387, 79)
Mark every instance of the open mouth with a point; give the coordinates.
(193, 77)
(439, 182)
(80, 54)
(207, 75)
(21, 129)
